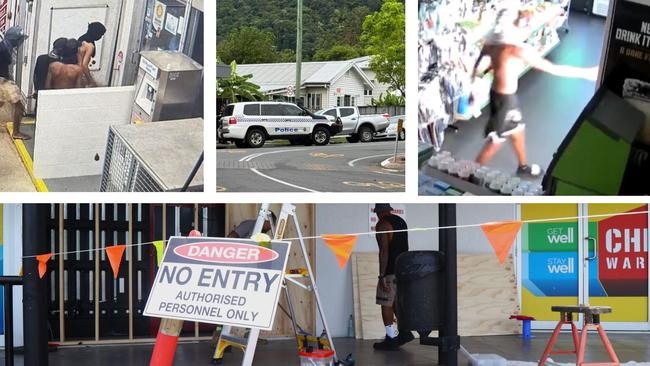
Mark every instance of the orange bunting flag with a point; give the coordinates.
(501, 235)
(341, 245)
(115, 257)
(42, 263)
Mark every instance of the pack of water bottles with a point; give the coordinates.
(491, 178)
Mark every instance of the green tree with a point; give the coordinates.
(248, 45)
(388, 100)
(383, 38)
(238, 87)
(337, 53)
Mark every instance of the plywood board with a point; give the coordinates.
(487, 296)
(303, 301)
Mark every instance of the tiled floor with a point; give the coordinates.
(629, 347)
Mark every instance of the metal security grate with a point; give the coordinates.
(123, 172)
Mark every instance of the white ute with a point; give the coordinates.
(360, 127)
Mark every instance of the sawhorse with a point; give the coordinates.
(591, 321)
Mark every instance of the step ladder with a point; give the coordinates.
(248, 343)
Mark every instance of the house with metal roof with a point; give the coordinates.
(324, 84)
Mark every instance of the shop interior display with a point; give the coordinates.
(450, 40)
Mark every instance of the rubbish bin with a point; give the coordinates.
(419, 285)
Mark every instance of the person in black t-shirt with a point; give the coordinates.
(391, 245)
(9, 91)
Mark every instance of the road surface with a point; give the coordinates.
(332, 168)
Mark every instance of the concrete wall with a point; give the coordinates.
(72, 127)
(335, 285)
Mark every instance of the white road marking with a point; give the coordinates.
(352, 162)
(257, 155)
(386, 173)
(281, 181)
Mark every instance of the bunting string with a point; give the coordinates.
(433, 228)
(99, 249)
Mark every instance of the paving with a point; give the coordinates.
(341, 167)
(13, 175)
(629, 347)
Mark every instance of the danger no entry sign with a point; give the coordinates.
(219, 280)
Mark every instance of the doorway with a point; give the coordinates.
(599, 260)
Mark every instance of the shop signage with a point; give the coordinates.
(553, 237)
(159, 12)
(149, 67)
(551, 273)
(626, 66)
(623, 255)
(398, 209)
(219, 280)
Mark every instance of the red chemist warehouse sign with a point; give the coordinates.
(623, 254)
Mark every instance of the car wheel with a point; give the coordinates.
(352, 139)
(255, 138)
(320, 136)
(240, 144)
(366, 134)
(402, 135)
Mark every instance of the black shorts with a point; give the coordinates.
(505, 117)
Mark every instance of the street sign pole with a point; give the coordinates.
(298, 50)
(399, 129)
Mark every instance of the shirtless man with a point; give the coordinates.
(508, 56)
(67, 76)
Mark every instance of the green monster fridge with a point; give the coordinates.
(613, 133)
(597, 255)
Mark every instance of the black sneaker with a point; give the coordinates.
(404, 337)
(530, 171)
(388, 344)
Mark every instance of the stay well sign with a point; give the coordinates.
(219, 280)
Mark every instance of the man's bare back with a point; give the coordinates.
(65, 76)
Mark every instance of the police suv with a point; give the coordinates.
(250, 124)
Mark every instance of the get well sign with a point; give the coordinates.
(219, 280)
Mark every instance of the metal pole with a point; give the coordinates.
(35, 237)
(449, 339)
(298, 50)
(396, 143)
